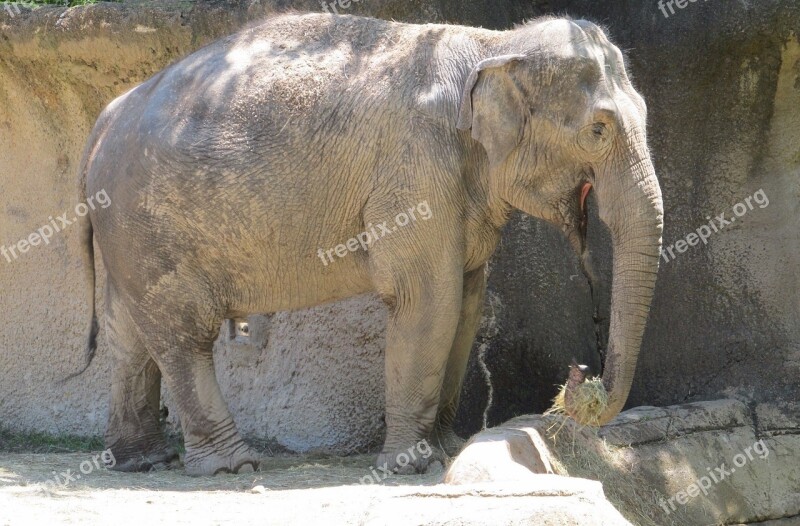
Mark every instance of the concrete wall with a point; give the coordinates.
(722, 86)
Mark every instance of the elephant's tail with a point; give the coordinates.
(87, 257)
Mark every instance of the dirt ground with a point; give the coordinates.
(291, 490)
(287, 491)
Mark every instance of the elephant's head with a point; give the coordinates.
(557, 116)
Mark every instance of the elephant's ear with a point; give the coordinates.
(491, 105)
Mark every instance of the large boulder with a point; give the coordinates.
(718, 462)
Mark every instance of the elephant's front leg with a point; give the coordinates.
(422, 323)
(474, 290)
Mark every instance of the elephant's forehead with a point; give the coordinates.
(568, 39)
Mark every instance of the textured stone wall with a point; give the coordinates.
(721, 82)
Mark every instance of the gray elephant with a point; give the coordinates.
(272, 170)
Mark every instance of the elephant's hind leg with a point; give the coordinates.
(183, 337)
(133, 433)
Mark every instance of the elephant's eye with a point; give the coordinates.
(599, 129)
(594, 138)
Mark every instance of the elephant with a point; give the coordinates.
(231, 171)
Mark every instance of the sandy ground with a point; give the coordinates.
(288, 491)
(295, 490)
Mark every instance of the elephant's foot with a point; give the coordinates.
(238, 458)
(447, 440)
(141, 456)
(419, 457)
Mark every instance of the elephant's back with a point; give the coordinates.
(303, 69)
(293, 80)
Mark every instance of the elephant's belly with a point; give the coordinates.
(290, 283)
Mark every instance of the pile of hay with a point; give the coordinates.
(589, 399)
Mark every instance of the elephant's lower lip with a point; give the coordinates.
(585, 189)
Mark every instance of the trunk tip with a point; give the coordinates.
(585, 401)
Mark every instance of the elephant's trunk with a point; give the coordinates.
(629, 201)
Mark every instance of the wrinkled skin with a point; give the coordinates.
(229, 170)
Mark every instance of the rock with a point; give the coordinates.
(544, 500)
(500, 454)
(701, 463)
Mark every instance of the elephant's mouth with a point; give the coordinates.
(577, 219)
